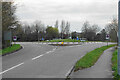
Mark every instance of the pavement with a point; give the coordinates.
(38, 60)
(102, 69)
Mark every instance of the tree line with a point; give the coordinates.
(93, 32)
(39, 31)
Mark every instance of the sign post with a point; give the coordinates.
(119, 37)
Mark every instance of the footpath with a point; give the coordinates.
(102, 68)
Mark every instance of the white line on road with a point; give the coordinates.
(69, 71)
(43, 54)
(37, 57)
(11, 68)
(23, 62)
(48, 52)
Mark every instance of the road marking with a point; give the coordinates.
(54, 49)
(70, 70)
(11, 68)
(43, 54)
(37, 57)
(48, 52)
(23, 62)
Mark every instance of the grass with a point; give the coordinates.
(68, 40)
(13, 48)
(115, 65)
(91, 58)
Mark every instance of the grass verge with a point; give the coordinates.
(114, 65)
(11, 49)
(91, 58)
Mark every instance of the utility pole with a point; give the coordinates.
(119, 37)
(38, 36)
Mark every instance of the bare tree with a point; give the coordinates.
(112, 25)
(85, 28)
(62, 28)
(67, 29)
(56, 24)
(112, 29)
(89, 32)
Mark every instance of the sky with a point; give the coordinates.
(76, 12)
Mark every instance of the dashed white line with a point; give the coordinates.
(48, 52)
(23, 62)
(37, 57)
(11, 68)
(43, 54)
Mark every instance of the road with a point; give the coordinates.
(44, 61)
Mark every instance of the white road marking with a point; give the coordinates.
(37, 57)
(11, 68)
(23, 62)
(69, 71)
(43, 54)
(48, 52)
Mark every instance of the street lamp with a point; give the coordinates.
(119, 37)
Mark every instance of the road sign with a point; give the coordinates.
(107, 37)
(77, 38)
(42, 39)
(15, 38)
(7, 35)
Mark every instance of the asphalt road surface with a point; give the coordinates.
(43, 60)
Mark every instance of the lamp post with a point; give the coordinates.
(119, 37)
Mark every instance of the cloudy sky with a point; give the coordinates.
(76, 12)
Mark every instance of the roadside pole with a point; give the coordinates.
(107, 38)
(107, 43)
(119, 37)
(11, 37)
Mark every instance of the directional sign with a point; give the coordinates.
(42, 39)
(77, 38)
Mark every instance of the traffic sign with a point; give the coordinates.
(107, 37)
(77, 38)
(42, 39)
(7, 35)
(15, 38)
